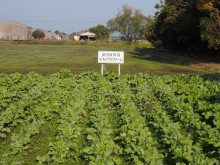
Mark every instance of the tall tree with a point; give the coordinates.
(129, 22)
(186, 24)
(210, 22)
(101, 32)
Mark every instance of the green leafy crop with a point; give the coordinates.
(92, 119)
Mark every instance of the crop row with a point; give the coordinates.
(131, 119)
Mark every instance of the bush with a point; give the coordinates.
(38, 34)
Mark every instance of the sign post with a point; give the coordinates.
(119, 69)
(110, 57)
(102, 66)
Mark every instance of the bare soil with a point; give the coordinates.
(212, 66)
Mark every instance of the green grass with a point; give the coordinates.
(45, 59)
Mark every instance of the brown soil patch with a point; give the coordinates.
(212, 66)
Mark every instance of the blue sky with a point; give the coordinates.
(68, 15)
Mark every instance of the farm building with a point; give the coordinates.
(84, 36)
(48, 35)
(15, 31)
(51, 35)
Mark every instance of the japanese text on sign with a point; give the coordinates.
(116, 57)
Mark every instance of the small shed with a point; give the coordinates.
(84, 36)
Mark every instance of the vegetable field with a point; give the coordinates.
(63, 118)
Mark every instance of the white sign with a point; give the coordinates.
(108, 57)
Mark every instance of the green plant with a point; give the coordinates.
(109, 119)
(38, 34)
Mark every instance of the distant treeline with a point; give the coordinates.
(187, 25)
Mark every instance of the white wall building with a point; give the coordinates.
(84, 36)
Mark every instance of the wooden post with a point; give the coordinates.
(102, 66)
(119, 69)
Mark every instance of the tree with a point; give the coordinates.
(56, 32)
(38, 34)
(101, 32)
(186, 24)
(129, 22)
(210, 22)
